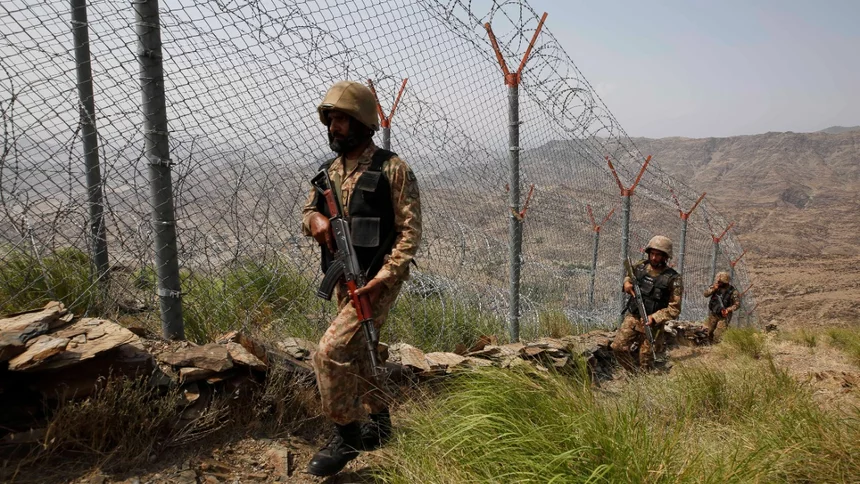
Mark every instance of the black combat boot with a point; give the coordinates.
(376, 431)
(341, 448)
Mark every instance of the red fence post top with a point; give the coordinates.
(385, 121)
(607, 217)
(397, 100)
(735, 262)
(532, 43)
(686, 215)
(594, 225)
(497, 50)
(626, 192)
(615, 174)
(597, 226)
(513, 79)
(698, 201)
(720, 238)
(641, 172)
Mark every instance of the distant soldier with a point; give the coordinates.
(379, 195)
(662, 290)
(725, 300)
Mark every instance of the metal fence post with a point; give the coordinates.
(596, 228)
(716, 252)
(593, 269)
(158, 156)
(626, 203)
(385, 121)
(386, 137)
(626, 194)
(89, 135)
(682, 245)
(685, 216)
(515, 228)
(733, 263)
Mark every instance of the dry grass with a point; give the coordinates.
(127, 425)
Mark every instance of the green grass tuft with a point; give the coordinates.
(28, 282)
(261, 297)
(847, 340)
(744, 422)
(439, 321)
(747, 341)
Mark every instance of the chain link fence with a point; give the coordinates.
(242, 79)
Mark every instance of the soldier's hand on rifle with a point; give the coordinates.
(628, 288)
(373, 289)
(321, 230)
(651, 321)
(726, 312)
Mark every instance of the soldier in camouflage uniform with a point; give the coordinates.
(662, 290)
(725, 300)
(379, 194)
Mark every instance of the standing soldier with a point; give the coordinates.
(380, 199)
(724, 301)
(662, 290)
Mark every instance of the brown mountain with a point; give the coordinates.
(795, 199)
(839, 129)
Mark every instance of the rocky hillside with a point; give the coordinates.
(795, 199)
(791, 193)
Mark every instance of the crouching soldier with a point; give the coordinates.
(379, 195)
(662, 291)
(724, 302)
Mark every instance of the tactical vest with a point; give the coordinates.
(371, 216)
(716, 297)
(656, 291)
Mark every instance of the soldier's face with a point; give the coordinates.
(343, 136)
(657, 258)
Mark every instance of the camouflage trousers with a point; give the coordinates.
(342, 364)
(630, 338)
(716, 326)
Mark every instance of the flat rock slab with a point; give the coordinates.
(191, 374)
(17, 329)
(298, 348)
(99, 336)
(550, 343)
(473, 362)
(243, 357)
(212, 357)
(408, 355)
(444, 360)
(38, 350)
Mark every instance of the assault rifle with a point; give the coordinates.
(640, 303)
(345, 267)
(723, 311)
(716, 294)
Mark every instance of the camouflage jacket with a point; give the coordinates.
(676, 290)
(734, 298)
(404, 198)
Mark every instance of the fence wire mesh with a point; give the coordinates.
(242, 80)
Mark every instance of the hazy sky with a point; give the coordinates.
(718, 67)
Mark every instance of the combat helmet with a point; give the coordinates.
(351, 98)
(661, 243)
(723, 277)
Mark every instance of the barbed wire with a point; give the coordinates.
(242, 79)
